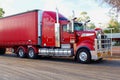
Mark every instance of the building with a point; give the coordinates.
(115, 37)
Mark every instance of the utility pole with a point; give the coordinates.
(111, 39)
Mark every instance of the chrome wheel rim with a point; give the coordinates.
(31, 53)
(83, 56)
(21, 52)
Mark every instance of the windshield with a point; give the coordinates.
(78, 27)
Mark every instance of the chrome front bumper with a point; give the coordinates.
(103, 48)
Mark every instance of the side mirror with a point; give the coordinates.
(85, 28)
(86, 22)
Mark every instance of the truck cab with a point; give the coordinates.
(71, 39)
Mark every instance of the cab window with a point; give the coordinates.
(65, 28)
(78, 26)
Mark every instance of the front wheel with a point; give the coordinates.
(83, 56)
(32, 54)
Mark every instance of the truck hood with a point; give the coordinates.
(85, 33)
(85, 38)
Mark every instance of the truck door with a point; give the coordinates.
(65, 36)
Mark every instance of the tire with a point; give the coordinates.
(32, 54)
(2, 51)
(21, 53)
(83, 56)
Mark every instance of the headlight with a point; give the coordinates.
(99, 36)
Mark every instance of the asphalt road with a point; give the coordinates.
(14, 68)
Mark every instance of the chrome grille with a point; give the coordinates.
(103, 43)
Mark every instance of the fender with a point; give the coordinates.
(24, 48)
(86, 45)
(81, 48)
(35, 49)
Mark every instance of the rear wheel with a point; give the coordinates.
(83, 56)
(2, 51)
(32, 54)
(21, 53)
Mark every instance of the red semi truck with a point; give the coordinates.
(48, 33)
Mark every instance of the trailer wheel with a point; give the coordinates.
(83, 56)
(21, 53)
(2, 51)
(32, 54)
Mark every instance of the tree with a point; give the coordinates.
(83, 17)
(113, 24)
(1, 12)
(113, 3)
(91, 25)
(114, 14)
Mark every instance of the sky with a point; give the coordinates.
(98, 14)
